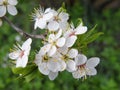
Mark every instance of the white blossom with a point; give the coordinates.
(72, 32)
(68, 56)
(59, 21)
(49, 65)
(20, 54)
(8, 5)
(85, 67)
(41, 17)
(54, 41)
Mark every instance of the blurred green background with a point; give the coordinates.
(104, 13)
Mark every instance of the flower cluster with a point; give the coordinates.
(57, 53)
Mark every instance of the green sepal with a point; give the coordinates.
(62, 8)
(79, 21)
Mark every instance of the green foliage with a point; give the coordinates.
(28, 72)
(87, 38)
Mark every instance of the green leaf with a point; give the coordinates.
(31, 76)
(84, 39)
(85, 36)
(93, 37)
(28, 72)
(24, 71)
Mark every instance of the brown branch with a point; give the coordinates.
(21, 32)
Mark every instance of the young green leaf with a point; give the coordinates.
(84, 39)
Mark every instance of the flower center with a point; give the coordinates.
(72, 34)
(40, 16)
(83, 71)
(65, 57)
(5, 2)
(22, 53)
(45, 58)
(56, 18)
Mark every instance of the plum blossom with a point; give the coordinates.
(8, 5)
(41, 17)
(68, 56)
(54, 41)
(20, 54)
(49, 65)
(56, 54)
(59, 21)
(72, 32)
(85, 67)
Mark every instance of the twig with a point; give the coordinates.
(21, 32)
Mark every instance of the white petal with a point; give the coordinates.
(53, 65)
(92, 62)
(64, 16)
(45, 49)
(14, 55)
(52, 75)
(12, 2)
(53, 26)
(63, 25)
(38, 59)
(62, 65)
(80, 29)
(58, 34)
(70, 41)
(43, 68)
(48, 16)
(12, 10)
(63, 50)
(2, 11)
(80, 59)
(71, 66)
(60, 42)
(51, 38)
(76, 74)
(72, 53)
(40, 23)
(26, 44)
(52, 51)
(57, 55)
(48, 10)
(91, 71)
(55, 13)
(22, 62)
(68, 33)
(1, 2)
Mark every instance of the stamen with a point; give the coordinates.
(5, 2)
(83, 71)
(45, 58)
